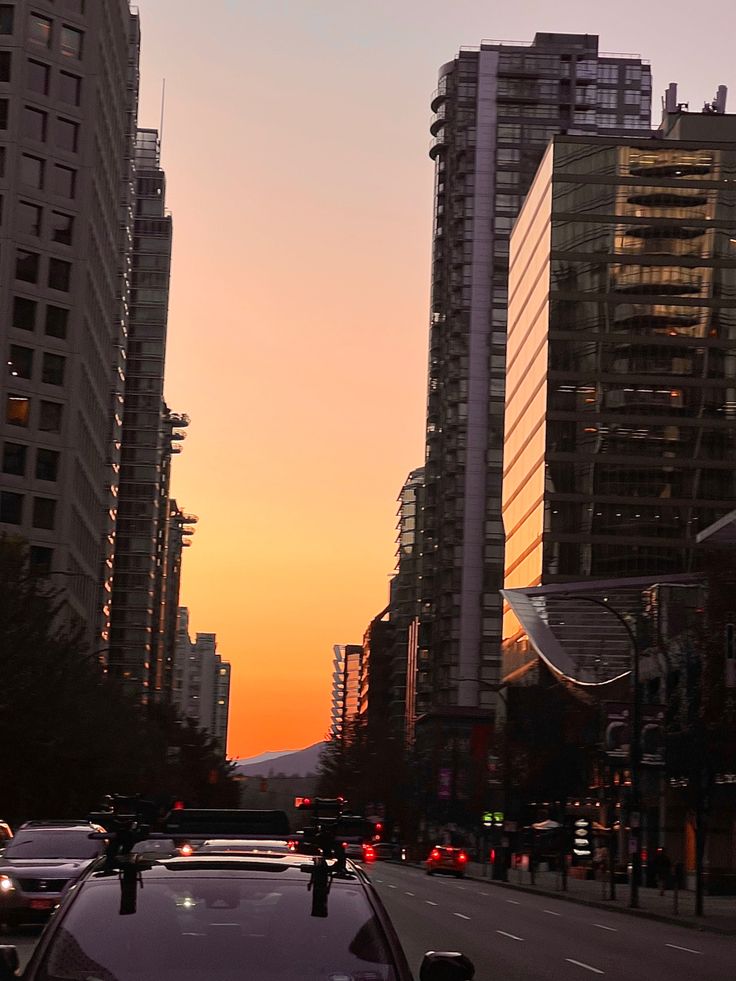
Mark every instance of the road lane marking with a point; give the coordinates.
(514, 902)
(391, 885)
(688, 949)
(587, 967)
(511, 936)
(462, 916)
(464, 888)
(551, 912)
(429, 902)
(379, 880)
(484, 893)
(408, 893)
(602, 926)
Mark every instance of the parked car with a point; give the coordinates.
(447, 858)
(38, 866)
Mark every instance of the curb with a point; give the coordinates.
(703, 927)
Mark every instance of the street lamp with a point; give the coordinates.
(635, 744)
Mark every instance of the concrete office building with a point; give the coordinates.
(620, 441)
(68, 100)
(201, 690)
(148, 439)
(496, 108)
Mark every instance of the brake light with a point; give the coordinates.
(435, 853)
(291, 845)
(186, 850)
(462, 857)
(369, 854)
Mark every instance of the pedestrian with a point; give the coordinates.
(662, 867)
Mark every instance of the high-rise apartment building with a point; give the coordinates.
(620, 406)
(347, 672)
(148, 437)
(68, 100)
(201, 690)
(496, 108)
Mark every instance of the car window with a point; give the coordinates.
(52, 844)
(226, 928)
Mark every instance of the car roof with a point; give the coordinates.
(289, 865)
(60, 826)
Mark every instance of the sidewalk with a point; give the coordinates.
(720, 911)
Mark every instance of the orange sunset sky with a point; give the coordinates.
(295, 145)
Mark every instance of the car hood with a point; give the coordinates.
(50, 868)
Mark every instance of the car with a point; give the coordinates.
(38, 866)
(6, 833)
(243, 846)
(447, 858)
(220, 914)
(385, 850)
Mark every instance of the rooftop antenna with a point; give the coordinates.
(163, 105)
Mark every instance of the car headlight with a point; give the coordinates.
(6, 884)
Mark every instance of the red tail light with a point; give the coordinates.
(435, 853)
(186, 850)
(291, 845)
(462, 857)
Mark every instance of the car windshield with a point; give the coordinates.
(52, 844)
(197, 928)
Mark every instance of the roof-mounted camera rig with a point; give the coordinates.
(128, 821)
(321, 835)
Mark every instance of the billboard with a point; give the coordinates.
(617, 733)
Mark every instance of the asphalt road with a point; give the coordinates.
(512, 935)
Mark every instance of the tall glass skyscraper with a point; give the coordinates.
(620, 440)
(496, 108)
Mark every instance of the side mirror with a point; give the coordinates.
(445, 965)
(9, 962)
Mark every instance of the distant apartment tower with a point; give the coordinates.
(347, 669)
(496, 108)
(68, 102)
(620, 397)
(148, 438)
(201, 681)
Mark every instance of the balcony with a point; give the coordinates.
(438, 120)
(438, 144)
(656, 279)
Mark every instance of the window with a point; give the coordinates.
(40, 559)
(632, 97)
(70, 87)
(3, 113)
(40, 30)
(608, 73)
(64, 181)
(24, 313)
(20, 361)
(18, 410)
(14, 459)
(60, 274)
(71, 42)
(52, 371)
(29, 218)
(34, 124)
(26, 266)
(6, 18)
(44, 512)
(32, 171)
(11, 508)
(38, 77)
(47, 464)
(49, 420)
(67, 135)
(56, 321)
(2, 161)
(61, 228)
(608, 98)
(5, 62)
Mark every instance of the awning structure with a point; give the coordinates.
(573, 633)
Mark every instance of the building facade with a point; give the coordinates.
(347, 678)
(620, 441)
(149, 439)
(68, 102)
(496, 109)
(201, 681)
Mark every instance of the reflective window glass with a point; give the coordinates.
(71, 42)
(40, 30)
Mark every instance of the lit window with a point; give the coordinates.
(18, 410)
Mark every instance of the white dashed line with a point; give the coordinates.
(408, 893)
(551, 912)
(483, 893)
(514, 902)
(429, 902)
(602, 926)
(509, 935)
(586, 966)
(391, 885)
(462, 916)
(464, 888)
(689, 950)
